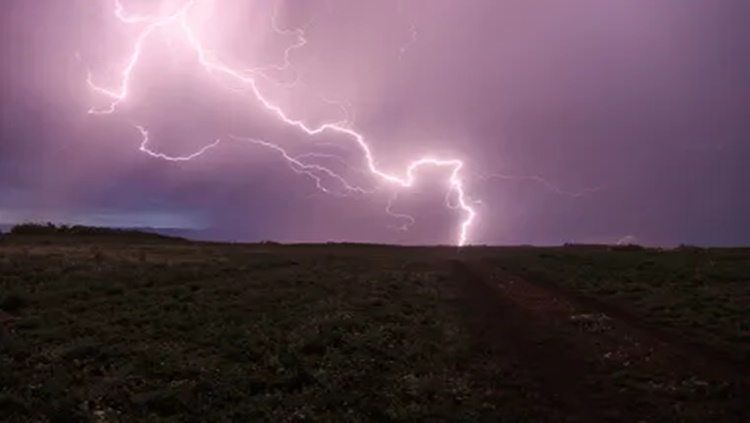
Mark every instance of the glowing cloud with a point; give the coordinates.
(179, 20)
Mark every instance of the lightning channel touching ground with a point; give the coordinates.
(248, 78)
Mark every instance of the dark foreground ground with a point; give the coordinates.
(120, 331)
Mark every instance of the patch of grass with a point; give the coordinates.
(249, 333)
(13, 302)
(210, 332)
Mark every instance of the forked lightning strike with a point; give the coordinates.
(248, 78)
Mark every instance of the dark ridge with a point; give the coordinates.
(52, 230)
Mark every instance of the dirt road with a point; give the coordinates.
(590, 362)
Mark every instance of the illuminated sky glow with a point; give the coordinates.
(407, 121)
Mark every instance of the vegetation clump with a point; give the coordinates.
(50, 229)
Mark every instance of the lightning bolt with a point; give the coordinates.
(408, 218)
(538, 179)
(312, 170)
(412, 39)
(248, 78)
(144, 148)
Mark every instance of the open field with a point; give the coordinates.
(105, 330)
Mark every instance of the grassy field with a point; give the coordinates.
(120, 330)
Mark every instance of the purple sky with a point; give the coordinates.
(636, 113)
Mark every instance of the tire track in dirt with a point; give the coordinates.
(720, 360)
(593, 366)
(552, 364)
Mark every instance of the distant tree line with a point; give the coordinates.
(48, 229)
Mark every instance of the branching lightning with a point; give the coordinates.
(314, 171)
(412, 40)
(144, 148)
(409, 220)
(248, 78)
(538, 179)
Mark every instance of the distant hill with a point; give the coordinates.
(191, 234)
(181, 233)
(49, 229)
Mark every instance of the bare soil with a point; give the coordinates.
(594, 362)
